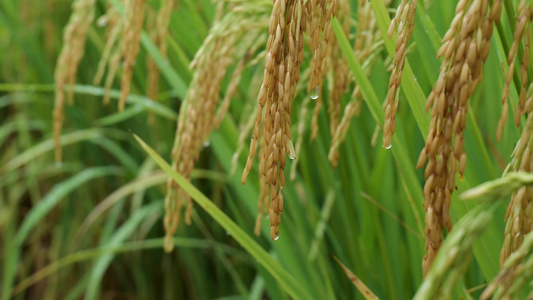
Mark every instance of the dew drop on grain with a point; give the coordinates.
(387, 147)
(276, 238)
(314, 93)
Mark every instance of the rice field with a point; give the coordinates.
(257, 149)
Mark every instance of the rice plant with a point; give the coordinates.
(285, 149)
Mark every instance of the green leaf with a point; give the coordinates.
(288, 283)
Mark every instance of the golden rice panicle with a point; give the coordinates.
(248, 121)
(236, 79)
(195, 122)
(282, 71)
(337, 67)
(114, 64)
(465, 48)
(320, 31)
(113, 21)
(269, 79)
(519, 214)
(514, 274)
(264, 193)
(301, 129)
(367, 44)
(194, 126)
(521, 32)
(74, 37)
(524, 78)
(159, 34)
(130, 47)
(405, 17)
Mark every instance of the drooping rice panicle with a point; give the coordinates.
(130, 47)
(368, 43)
(74, 37)
(114, 24)
(235, 80)
(321, 34)
(454, 259)
(521, 32)
(225, 44)
(336, 67)
(282, 72)
(465, 48)
(405, 17)
(159, 35)
(515, 272)
(519, 215)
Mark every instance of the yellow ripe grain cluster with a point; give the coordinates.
(159, 36)
(465, 48)
(130, 48)
(524, 13)
(284, 57)
(405, 18)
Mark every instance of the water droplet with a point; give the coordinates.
(267, 216)
(292, 152)
(228, 233)
(314, 93)
(59, 164)
(102, 21)
(276, 238)
(206, 144)
(387, 147)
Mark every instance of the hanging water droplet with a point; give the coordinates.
(314, 93)
(387, 147)
(59, 164)
(276, 238)
(102, 21)
(228, 233)
(206, 144)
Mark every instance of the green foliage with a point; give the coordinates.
(92, 226)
